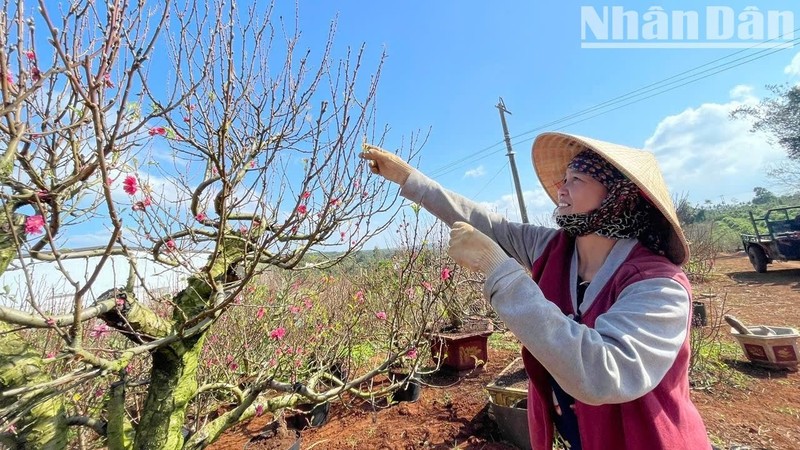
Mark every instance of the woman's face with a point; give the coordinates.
(579, 193)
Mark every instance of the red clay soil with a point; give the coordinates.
(763, 414)
(766, 413)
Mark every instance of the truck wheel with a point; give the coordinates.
(757, 258)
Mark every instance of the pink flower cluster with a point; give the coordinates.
(142, 204)
(278, 333)
(130, 185)
(232, 365)
(34, 224)
(170, 245)
(100, 331)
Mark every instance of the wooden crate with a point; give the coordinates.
(510, 386)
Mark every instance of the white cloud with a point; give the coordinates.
(50, 279)
(537, 205)
(706, 155)
(793, 69)
(743, 94)
(475, 173)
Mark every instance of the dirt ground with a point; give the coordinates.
(765, 414)
(762, 412)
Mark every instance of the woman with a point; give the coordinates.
(600, 304)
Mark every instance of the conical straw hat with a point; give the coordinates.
(552, 152)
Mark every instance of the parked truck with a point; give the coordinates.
(781, 241)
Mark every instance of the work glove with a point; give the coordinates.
(385, 164)
(474, 250)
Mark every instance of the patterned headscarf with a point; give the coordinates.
(623, 214)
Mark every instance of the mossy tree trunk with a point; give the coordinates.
(173, 383)
(173, 377)
(44, 426)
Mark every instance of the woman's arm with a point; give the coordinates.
(626, 355)
(521, 241)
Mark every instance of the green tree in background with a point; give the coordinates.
(778, 116)
(763, 196)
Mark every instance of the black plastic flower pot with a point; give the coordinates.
(340, 371)
(270, 438)
(309, 416)
(699, 318)
(512, 422)
(409, 391)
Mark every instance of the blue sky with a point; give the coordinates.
(449, 61)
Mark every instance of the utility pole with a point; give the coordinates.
(502, 107)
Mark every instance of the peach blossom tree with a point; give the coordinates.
(199, 136)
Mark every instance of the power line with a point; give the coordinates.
(480, 154)
(656, 85)
(471, 158)
(637, 100)
(491, 180)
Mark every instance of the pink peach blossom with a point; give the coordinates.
(34, 224)
(157, 131)
(99, 331)
(278, 333)
(142, 204)
(130, 185)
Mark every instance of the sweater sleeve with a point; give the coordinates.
(523, 242)
(626, 355)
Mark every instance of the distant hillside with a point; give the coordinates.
(730, 220)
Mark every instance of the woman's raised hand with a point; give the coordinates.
(386, 164)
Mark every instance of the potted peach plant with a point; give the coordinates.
(459, 336)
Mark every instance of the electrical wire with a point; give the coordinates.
(634, 96)
(491, 180)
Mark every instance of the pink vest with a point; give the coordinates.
(665, 417)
